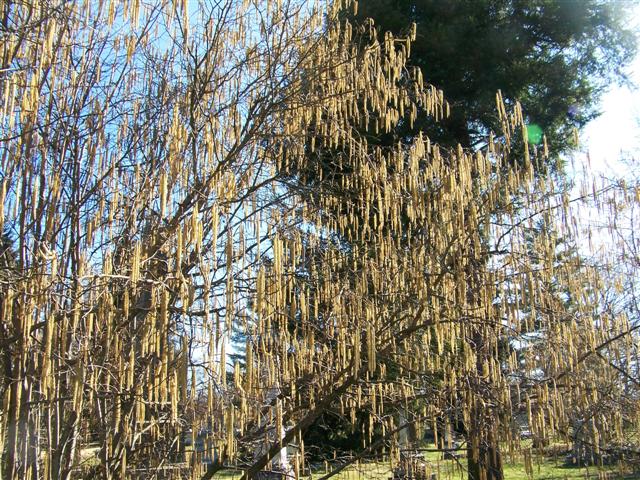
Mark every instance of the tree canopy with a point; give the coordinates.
(555, 57)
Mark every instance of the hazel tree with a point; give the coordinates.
(152, 163)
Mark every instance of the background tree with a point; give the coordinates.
(555, 57)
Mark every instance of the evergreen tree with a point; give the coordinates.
(555, 57)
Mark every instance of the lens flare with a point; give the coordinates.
(534, 133)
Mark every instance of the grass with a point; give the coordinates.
(544, 468)
(549, 469)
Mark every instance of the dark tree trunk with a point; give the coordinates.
(484, 460)
(483, 452)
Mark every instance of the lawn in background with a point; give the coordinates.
(544, 468)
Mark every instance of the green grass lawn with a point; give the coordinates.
(550, 469)
(544, 468)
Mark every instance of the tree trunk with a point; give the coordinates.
(8, 460)
(484, 461)
(483, 451)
